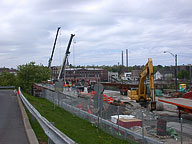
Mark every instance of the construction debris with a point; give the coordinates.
(147, 115)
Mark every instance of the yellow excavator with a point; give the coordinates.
(141, 95)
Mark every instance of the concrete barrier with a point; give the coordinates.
(29, 131)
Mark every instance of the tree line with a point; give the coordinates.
(30, 73)
(117, 68)
(27, 75)
(183, 74)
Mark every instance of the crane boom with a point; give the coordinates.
(65, 58)
(51, 58)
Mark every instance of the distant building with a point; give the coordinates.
(3, 70)
(126, 76)
(135, 74)
(13, 71)
(165, 73)
(168, 73)
(158, 76)
(82, 74)
(113, 76)
(55, 70)
(187, 68)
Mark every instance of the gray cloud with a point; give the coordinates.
(103, 29)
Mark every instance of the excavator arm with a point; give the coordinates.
(140, 95)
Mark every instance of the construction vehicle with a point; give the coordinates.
(181, 92)
(51, 58)
(182, 88)
(61, 75)
(140, 94)
(60, 82)
(90, 88)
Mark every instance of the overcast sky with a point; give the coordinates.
(102, 28)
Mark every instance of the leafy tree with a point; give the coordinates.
(156, 68)
(183, 74)
(30, 73)
(8, 79)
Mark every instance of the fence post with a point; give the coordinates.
(142, 127)
(101, 124)
(53, 101)
(112, 129)
(58, 98)
(181, 120)
(118, 119)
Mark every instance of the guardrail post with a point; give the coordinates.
(32, 118)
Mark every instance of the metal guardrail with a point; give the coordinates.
(52, 132)
(7, 87)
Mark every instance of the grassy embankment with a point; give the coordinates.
(81, 131)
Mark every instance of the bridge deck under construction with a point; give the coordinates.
(183, 104)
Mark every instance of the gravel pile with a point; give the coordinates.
(147, 115)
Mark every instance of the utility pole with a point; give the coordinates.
(175, 56)
(127, 59)
(122, 58)
(176, 71)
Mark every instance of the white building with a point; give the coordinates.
(126, 76)
(158, 76)
(113, 76)
(163, 74)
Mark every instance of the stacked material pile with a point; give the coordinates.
(126, 121)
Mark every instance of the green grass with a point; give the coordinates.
(81, 131)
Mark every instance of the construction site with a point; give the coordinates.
(169, 122)
(131, 108)
(96, 71)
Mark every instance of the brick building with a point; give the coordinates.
(13, 71)
(55, 70)
(82, 74)
(135, 74)
(187, 68)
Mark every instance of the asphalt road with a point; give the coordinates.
(11, 124)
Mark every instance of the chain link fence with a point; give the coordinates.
(106, 118)
(150, 127)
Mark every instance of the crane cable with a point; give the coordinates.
(74, 42)
(59, 48)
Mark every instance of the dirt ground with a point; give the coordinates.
(169, 114)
